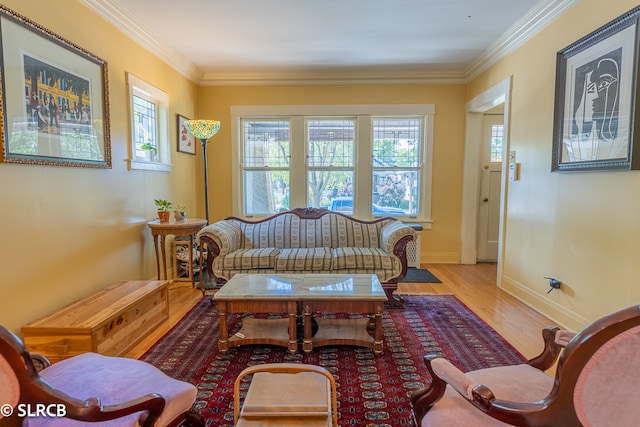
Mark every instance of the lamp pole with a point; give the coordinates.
(206, 179)
(203, 130)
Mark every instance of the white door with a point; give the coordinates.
(491, 173)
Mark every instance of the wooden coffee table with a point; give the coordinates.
(299, 296)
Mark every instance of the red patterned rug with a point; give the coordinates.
(373, 391)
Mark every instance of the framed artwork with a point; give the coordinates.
(186, 141)
(596, 97)
(55, 103)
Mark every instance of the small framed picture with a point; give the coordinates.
(186, 141)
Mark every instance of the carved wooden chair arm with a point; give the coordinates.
(424, 398)
(453, 376)
(153, 403)
(504, 410)
(91, 409)
(555, 340)
(481, 396)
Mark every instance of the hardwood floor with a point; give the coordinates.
(474, 285)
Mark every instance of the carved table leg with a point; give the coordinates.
(293, 331)
(223, 341)
(307, 341)
(378, 345)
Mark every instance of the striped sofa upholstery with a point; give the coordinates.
(307, 241)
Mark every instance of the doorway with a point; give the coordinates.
(490, 176)
(497, 95)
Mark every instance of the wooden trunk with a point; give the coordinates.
(109, 322)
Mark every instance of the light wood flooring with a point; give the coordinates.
(474, 285)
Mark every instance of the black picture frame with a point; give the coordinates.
(595, 126)
(55, 100)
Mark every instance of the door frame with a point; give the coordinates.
(498, 94)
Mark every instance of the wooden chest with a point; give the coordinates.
(109, 322)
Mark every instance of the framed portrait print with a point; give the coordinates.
(596, 96)
(186, 141)
(55, 104)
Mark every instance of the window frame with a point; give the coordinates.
(364, 115)
(350, 168)
(259, 168)
(138, 87)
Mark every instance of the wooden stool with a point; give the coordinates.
(283, 394)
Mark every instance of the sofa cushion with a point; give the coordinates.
(291, 231)
(250, 258)
(304, 259)
(369, 258)
(341, 231)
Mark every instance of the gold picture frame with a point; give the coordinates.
(55, 101)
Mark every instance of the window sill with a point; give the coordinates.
(150, 166)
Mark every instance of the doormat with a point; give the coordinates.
(419, 275)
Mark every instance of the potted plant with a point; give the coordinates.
(164, 209)
(152, 149)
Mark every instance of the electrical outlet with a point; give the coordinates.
(554, 283)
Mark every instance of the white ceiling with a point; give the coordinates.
(216, 40)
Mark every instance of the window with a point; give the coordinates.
(266, 161)
(365, 160)
(497, 140)
(397, 143)
(149, 108)
(330, 162)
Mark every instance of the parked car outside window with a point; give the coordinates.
(345, 205)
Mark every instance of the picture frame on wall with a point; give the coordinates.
(596, 100)
(55, 101)
(186, 141)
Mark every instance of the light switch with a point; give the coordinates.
(514, 171)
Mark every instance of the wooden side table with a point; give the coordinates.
(185, 227)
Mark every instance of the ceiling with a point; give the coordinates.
(218, 41)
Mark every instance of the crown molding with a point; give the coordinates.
(538, 18)
(532, 23)
(331, 78)
(121, 18)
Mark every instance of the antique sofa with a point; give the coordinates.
(307, 240)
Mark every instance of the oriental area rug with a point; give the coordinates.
(373, 391)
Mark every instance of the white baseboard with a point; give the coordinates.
(560, 315)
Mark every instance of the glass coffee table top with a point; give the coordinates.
(302, 286)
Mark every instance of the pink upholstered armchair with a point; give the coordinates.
(91, 388)
(596, 383)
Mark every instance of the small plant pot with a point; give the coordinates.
(164, 216)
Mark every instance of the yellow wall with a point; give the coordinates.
(67, 232)
(442, 242)
(580, 227)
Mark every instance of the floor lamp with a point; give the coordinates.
(203, 130)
